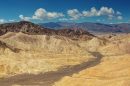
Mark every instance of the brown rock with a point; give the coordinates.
(34, 29)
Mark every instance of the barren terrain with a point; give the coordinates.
(56, 60)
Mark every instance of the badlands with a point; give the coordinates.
(31, 55)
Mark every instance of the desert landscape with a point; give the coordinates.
(67, 57)
(64, 43)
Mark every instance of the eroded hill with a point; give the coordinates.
(38, 53)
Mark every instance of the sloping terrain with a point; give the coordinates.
(113, 70)
(35, 56)
(49, 78)
(106, 64)
(38, 53)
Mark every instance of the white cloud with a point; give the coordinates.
(104, 11)
(2, 21)
(12, 20)
(24, 18)
(6, 21)
(118, 13)
(74, 14)
(43, 14)
(93, 12)
(119, 17)
(39, 14)
(54, 15)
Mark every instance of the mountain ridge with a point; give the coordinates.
(35, 29)
(92, 27)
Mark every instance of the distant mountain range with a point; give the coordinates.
(92, 27)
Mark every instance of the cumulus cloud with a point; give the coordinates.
(118, 13)
(74, 14)
(43, 14)
(39, 14)
(6, 21)
(24, 18)
(54, 15)
(119, 17)
(93, 12)
(104, 11)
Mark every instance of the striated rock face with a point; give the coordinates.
(22, 53)
(34, 29)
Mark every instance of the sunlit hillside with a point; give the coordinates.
(113, 69)
(22, 53)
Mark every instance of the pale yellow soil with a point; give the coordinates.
(114, 69)
(38, 54)
(41, 53)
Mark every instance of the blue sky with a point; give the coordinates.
(103, 11)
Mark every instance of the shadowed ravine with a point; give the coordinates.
(49, 78)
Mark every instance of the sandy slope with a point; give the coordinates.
(49, 78)
(114, 70)
(41, 53)
(38, 53)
